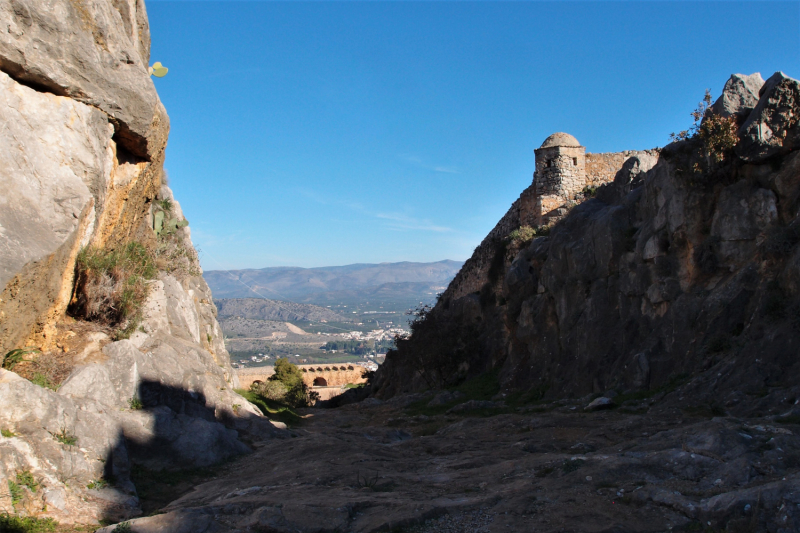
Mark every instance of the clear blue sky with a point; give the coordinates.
(328, 133)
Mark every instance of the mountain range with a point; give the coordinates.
(392, 281)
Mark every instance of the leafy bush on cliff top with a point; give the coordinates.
(718, 134)
(112, 285)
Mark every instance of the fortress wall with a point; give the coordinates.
(601, 168)
(539, 199)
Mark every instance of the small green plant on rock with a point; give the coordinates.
(123, 527)
(135, 404)
(65, 438)
(43, 381)
(27, 524)
(7, 433)
(525, 234)
(25, 479)
(13, 357)
(97, 484)
(590, 191)
(16, 493)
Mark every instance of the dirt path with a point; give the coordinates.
(373, 467)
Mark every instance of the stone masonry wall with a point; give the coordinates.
(559, 170)
(601, 168)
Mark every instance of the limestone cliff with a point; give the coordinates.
(685, 268)
(82, 141)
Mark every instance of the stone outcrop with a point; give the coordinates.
(81, 155)
(96, 53)
(678, 267)
(739, 96)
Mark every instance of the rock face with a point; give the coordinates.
(677, 268)
(81, 155)
(94, 52)
(739, 96)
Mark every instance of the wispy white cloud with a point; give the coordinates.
(392, 221)
(402, 222)
(418, 161)
(448, 170)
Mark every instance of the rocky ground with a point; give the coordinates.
(650, 465)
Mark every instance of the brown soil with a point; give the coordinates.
(52, 367)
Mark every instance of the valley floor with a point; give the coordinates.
(382, 466)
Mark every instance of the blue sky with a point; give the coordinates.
(327, 133)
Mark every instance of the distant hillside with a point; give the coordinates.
(262, 309)
(294, 283)
(409, 293)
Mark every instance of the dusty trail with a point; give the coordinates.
(372, 467)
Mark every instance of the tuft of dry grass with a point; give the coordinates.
(111, 286)
(47, 370)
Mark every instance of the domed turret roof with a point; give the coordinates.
(560, 139)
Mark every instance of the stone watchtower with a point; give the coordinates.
(560, 174)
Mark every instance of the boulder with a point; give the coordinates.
(771, 128)
(603, 402)
(96, 53)
(739, 96)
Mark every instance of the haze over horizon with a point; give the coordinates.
(391, 131)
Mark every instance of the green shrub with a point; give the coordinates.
(522, 234)
(7, 433)
(590, 191)
(28, 524)
(271, 390)
(112, 286)
(135, 404)
(297, 393)
(525, 234)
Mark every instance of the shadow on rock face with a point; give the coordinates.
(177, 429)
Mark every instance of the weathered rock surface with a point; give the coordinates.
(739, 96)
(772, 127)
(96, 53)
(557, 469)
